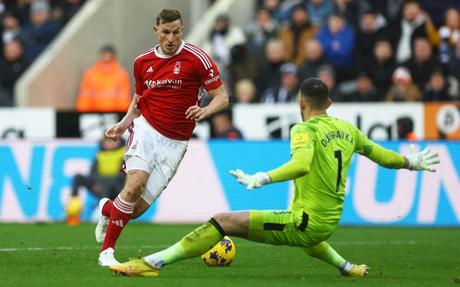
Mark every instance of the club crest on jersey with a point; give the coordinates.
(176, 70)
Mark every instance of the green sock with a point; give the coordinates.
(193, 244)
(326, 253)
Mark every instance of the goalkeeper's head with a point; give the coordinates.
(314, 98)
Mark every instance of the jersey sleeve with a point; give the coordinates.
(302, 143)
(377, 153)
(139, 86)
(209, 73)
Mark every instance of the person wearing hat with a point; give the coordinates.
(403, 88)
(288, 88)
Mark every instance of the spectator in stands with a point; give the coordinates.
(437, 88)
(314, 58)
(287, 90)
(10, 28)
(437, 9)
(41, 30)
(244, 92)
(351, 10)
(360, 90)
(454, 61)
(223, 38)
(105, 86)
(422, 63)
(242, 64)
(294, 34)
(326, 74)
(260, 31)
(338, 40)
(370, 29)
(381, 67)
(273, 6)
(223, 128)
(403, 32)
(403, 89)
(448, 35)
(12, 66)
(66, 9)
(104, 179)
(269, 72)
(405, 128)
(389, 8)
(319, 11)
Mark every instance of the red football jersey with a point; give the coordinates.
(169, 85)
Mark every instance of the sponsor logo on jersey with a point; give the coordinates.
(163, 83)
(176, 70)
(150, 70)
(212, 80)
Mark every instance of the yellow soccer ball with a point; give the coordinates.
(222, 254)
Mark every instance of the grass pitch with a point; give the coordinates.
(58, 255)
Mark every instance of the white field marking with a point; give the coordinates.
(73, 248)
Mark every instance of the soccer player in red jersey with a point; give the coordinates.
(160, 119)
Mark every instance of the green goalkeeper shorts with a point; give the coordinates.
(285, 227)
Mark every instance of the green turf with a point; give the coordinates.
(66, 256)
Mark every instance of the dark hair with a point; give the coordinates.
(108, 48)
(315, 91)
(168, 16)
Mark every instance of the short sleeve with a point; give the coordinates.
(209, 73)
(138, 78)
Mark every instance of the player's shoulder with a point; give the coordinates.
(304, 127)
(145, 55)
(198, 54)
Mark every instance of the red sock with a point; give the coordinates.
(119, 217)
(107, 208)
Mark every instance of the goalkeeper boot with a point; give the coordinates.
(107, 258)
(356, 270)
(102, 223)
(73, 210)
(136, 267)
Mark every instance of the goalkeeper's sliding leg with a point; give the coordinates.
(271, 227)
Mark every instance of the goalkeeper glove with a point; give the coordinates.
(422, 160)
(255, 180)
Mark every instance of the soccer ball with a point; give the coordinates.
(221, 254)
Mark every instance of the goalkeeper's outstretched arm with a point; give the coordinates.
(423, 160)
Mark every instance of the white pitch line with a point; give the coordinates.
(74, 248)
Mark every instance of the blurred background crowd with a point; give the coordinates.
(365, 51)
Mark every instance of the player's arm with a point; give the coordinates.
(302, 149)
(414, 160)
(119, 128)
(219, 102)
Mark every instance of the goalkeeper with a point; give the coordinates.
(321, 150)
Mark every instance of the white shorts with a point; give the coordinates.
(150, 151)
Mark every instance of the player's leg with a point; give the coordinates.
(326, 253)
(121, 211)
(193, 244)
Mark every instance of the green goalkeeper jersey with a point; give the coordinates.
(325, 147)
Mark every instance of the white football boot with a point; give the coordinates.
(102, 223)
(107, 258)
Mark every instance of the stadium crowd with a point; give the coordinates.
(380, 50)
(27, 27)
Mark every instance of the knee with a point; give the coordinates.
(133, 190)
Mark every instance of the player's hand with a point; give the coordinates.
(116, 131)
(255, 180)
(196, 113)
(423, 160)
